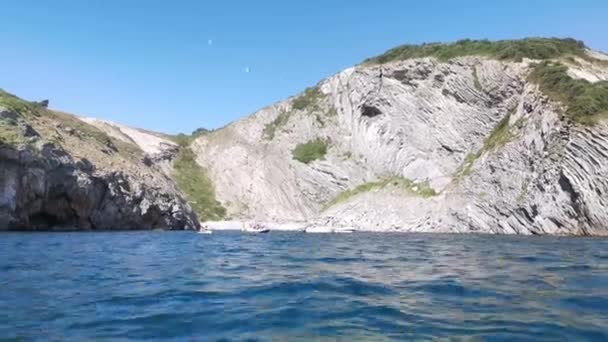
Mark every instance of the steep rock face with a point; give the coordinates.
(489, 149)
(383, 120)
(548, 178)
(67, 175)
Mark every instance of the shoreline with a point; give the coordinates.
(304, 227)
(239, 225)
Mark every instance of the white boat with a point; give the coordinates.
(318, 230)
(344, 231)
(328, 230)
(256, 229)
(204, 230)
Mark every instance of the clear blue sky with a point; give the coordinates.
(173, 66)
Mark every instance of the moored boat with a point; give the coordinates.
(328, 230)
(256, 228)
(204, 230)
(318, 230)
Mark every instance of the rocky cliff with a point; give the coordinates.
(505, 137)
(57, 172)
(494, 137)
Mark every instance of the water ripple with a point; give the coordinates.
(290, 286)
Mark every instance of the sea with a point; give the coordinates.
(290, 286)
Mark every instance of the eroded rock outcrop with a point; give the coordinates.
(68, 175)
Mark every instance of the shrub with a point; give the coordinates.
(533, 48)
(500, 135)
(193, 181)
(310, 151)
(9, 134)
(185, 140)
(271, 128)
(308, 99)
(585, 102)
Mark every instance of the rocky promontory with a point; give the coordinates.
(57, 172)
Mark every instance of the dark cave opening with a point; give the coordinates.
(43, 220)
(370, 111)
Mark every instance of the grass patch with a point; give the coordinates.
(49, 119)
(193, 181)
(310, 151)
(272, 127)
(476, 81)
(500, 135)
(469, 161)
(14, 103)
(422, 189)
(332, 112)
(516, 50)
(82, 129)
(9, 134)
(22, 107)
(586, 102)
(309, 99)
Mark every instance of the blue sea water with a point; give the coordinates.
(183, 286)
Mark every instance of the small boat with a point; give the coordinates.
(328, 230)
(257, 229)
(318, 230)
(344, 231)
(205, 230)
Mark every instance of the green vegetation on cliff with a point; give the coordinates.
(309, 99)
(306, 101)
(193, 181)
(82, 129)
(54, 126)
(476, 81)
(9, 135)
(310, 151)
(14, 103)
(498, 137)
(185, 139)
(585, 102)
(271, 128)
(422, 189)
(516, 50)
